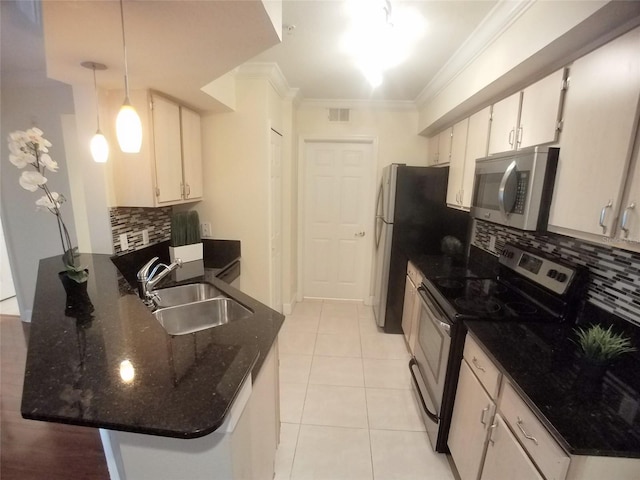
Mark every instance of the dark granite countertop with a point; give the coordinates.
(183, 386)
(586, 417)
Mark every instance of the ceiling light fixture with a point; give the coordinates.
(379, 37)
(99, 145)
(128, 125)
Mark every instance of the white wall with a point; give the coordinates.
(236, 181)
(395, 128)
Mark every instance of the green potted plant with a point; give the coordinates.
(185, 237)
(600, 345)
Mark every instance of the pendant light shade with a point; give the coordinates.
(99, 146)
(128, 124)
(129, 128)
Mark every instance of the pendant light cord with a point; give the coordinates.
(95, 89)
(124, 50)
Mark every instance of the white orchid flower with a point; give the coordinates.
(46, 202)
(48, 162)
(32, 180)
(19, 161)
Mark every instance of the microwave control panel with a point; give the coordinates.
(521, 192)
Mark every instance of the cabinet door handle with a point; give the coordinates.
(625, 219)
(188, 191)
(519, 135)
(461, 195)
(477, 365)
(492, 428)
(603, 214)
(484, 412)
(511, 136)
(520, 425)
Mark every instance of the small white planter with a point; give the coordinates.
(186, 253)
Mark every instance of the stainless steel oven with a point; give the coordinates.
(515, 188)
(429, 365)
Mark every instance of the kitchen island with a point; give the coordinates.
(111, 365)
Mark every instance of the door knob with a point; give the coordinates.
(359, 234)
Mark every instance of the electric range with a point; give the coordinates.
(529, 287)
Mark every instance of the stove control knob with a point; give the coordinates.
(562, 277)
(553, 273)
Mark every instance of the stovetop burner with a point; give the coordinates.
(478, 305)
(488, 298)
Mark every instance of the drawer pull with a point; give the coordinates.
(484, 412)
(492, 427)
(477, 365)
(520, 424)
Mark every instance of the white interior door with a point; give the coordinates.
(276, 222)
(338, 219)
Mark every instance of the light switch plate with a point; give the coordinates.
(145, 236)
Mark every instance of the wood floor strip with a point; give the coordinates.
(31, 450)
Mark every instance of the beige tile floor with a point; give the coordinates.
(347, 408)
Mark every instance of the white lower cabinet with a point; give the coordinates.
(495, 435)
(411, 309)
(506, 459)
(472, 414)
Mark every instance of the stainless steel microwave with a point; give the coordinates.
(515, 188)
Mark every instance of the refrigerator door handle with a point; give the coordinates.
(379, 214)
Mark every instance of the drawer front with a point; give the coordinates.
(482, 366)
(552, 460)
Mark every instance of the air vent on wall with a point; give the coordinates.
(339, 114)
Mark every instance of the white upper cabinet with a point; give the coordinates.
(540, 111)
(168, 169)
(504, 123)
(470, 140)
(444, 146)
(191, 153)
(456, 165)
(477, 143)
(530, 117)
(434, 148)
(168, 150)
(629, 222)
(600, 118)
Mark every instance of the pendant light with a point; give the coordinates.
(128, 125)
(99, 145)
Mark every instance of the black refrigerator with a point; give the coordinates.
(412, 218)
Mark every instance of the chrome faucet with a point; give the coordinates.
(147, 281)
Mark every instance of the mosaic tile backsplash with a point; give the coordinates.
(133, 221)
(614, 273)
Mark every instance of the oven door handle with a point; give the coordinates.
(508, 190)
(434, 308)
(434, 418)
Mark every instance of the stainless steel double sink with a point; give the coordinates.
(190, 308)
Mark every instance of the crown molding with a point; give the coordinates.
(359, 104)
(272, 72)
(499, 19)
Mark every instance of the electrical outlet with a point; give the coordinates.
(145, 236)
(124, 242)
(205, 229)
